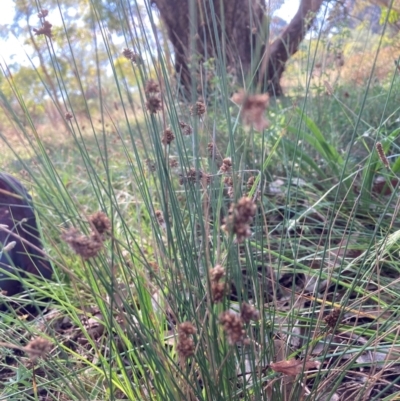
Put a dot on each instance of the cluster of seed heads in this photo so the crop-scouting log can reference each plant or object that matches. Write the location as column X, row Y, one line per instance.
column 218, row 287
column 240, row 216
column 186, row 346
column 88, row 246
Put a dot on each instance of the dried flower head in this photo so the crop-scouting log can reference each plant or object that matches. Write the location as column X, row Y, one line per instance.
column 194, row 176
column 211, row 148
column 249, row 312
column 168, row 137
column 68, row 116
column 250, row 182
column 218, row 289
column 132, row 56
column 153, row 104
column 233, row 326
column 173, row 163
column 186, row 346
column 151, row 87
column 240, row 216
column 186, row 128
column 100, row 222
column 191, row 176
column 332, row 319
column 228, row 181
column 44, row 30
column 217, row 273
column 253, row 109
column 152, row 91
column 381, row 154
column 85, row 246
column 226, row 165
column 160, row 218
column 43, row 13
column 206, row 179
column 38, row 348
column 127, row 53
column 198, row 109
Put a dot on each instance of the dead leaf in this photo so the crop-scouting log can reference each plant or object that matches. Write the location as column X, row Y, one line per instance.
column 293, row 367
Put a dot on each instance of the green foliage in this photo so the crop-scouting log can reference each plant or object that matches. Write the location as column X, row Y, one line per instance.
column 389, row 16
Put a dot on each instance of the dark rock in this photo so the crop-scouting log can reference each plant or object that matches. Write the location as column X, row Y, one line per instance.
column 17, row 213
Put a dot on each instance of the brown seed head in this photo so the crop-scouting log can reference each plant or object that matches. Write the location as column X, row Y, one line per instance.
column 210, row 148
column 228, row 181
column 160, row 217
column 130, row 55
column 186, row 346
column 249, row 312
column 192, row 176
column 226, row 165
column 187, row 329
column 127, row 53
column 382, row 156
column 250, row 182
column 168, row 137
column 38, row 348
column 43, row 13
column 173, row 163
column 218, row 291
column 233, row 326
column 206, row 179
column 153, row 104
column 44, row 30
column 240, row 216
column 68, row 116
column 332, row 319
column 198, row 109
column 152, row 91
column 186, row 128
column 85, row 246
column 100, row 222
column 151, row 87
column 217, row 273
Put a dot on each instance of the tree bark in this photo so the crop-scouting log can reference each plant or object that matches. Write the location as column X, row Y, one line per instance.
column 287, row 44
column 243, row 40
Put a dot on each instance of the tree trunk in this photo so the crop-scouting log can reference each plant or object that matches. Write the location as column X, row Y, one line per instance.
column 242, row 42
column 287, row 44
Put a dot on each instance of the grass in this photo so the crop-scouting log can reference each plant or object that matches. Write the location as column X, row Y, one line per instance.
column 174, row 306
